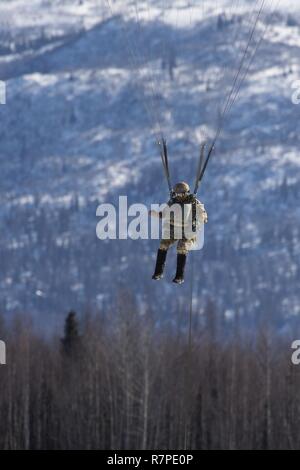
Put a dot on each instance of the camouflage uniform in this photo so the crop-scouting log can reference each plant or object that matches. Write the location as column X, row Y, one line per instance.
column 184, row 244
column 181, row 219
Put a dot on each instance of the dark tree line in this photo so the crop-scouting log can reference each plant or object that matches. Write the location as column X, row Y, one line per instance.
column 125, row 380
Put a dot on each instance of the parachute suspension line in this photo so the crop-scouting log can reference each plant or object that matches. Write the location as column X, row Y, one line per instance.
column 244, row 58
column 227, row 68
column 164, row 158
column 191, row 9
column 135, row 64
column 188, row 368
column 258, row 45
column 236, row 94
column 165, row 42
column 153, row 81
column 238, row 83
column 200, row 165
column 237, row 30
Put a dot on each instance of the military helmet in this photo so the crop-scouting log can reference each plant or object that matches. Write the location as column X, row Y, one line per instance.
column 181, row 188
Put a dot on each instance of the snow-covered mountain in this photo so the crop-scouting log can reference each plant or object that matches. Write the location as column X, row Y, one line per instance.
column 88, row 85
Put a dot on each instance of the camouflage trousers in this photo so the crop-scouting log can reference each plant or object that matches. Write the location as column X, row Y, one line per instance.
column 183, row 245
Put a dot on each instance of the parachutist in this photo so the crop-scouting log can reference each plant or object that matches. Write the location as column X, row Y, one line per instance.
column 179, row 226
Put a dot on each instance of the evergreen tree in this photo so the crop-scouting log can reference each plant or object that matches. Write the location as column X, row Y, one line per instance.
column 71, row 340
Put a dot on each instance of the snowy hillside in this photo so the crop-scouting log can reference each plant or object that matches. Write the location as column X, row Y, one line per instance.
column 88, row 85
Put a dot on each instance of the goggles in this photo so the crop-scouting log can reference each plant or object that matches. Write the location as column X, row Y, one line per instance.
column 180, row 195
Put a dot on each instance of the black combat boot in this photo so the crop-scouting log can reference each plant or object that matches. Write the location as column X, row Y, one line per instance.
column 179, row 278
column 160, row 264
